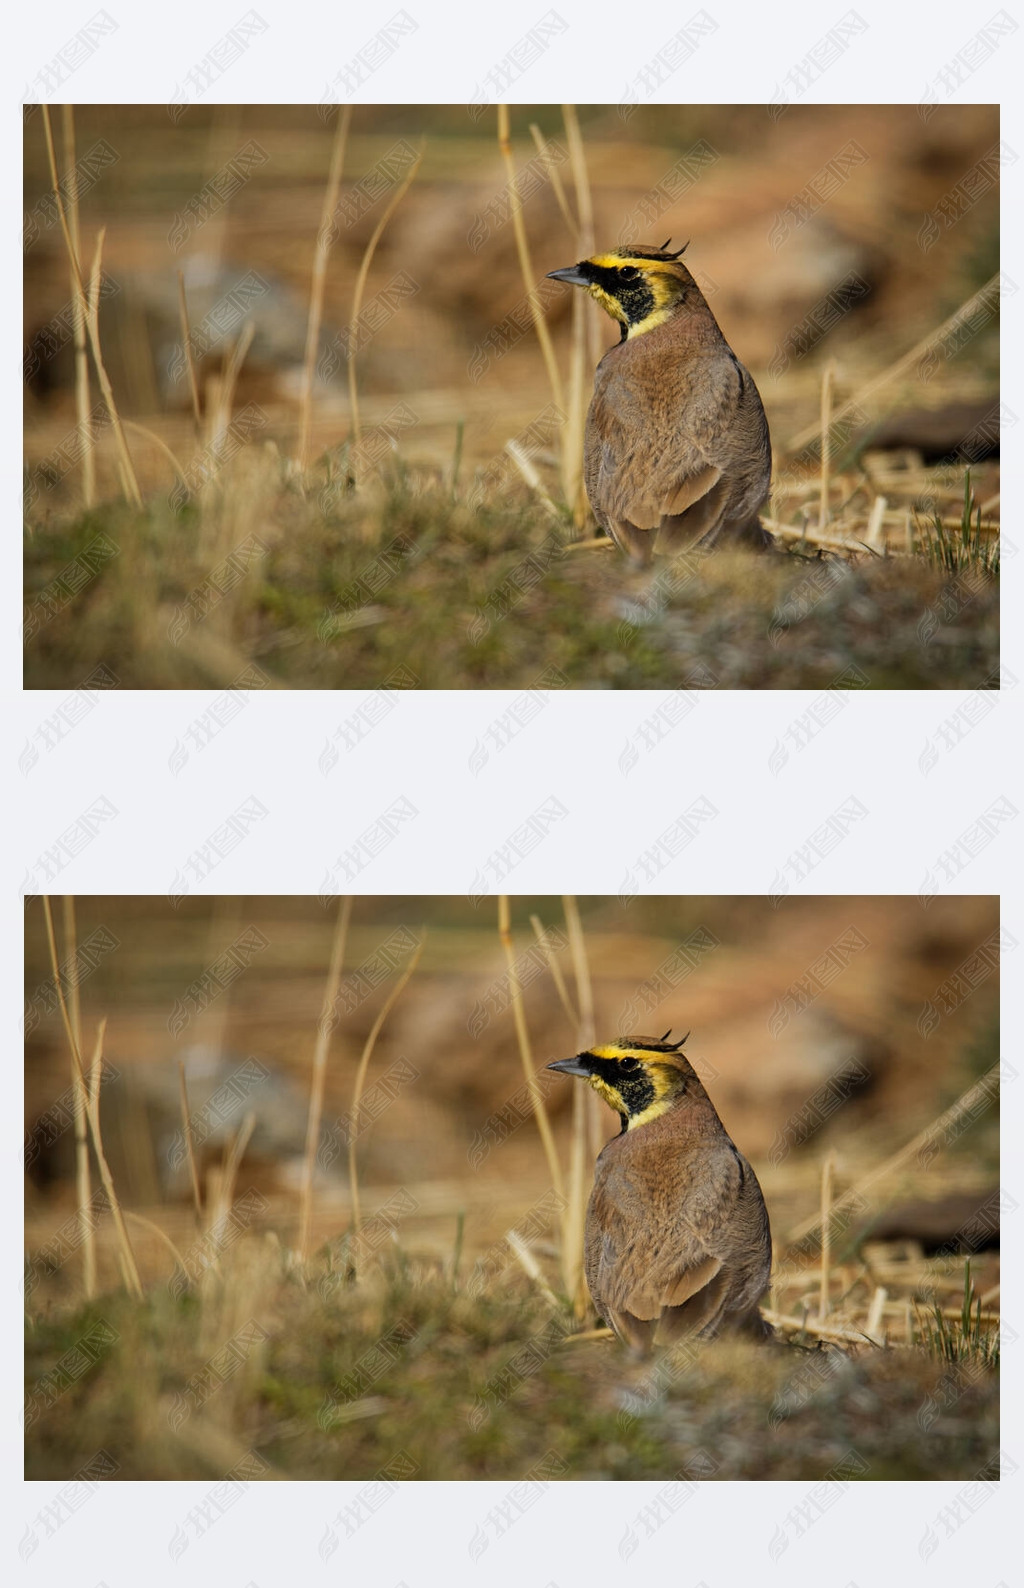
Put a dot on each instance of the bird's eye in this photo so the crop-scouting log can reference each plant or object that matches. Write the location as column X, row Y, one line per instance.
column 629, row 1065
column 629, row 272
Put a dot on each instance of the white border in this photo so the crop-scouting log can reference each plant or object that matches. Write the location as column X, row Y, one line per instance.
column 721, row 751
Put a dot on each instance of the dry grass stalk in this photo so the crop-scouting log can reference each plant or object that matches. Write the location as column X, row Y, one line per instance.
column 525, row 1052
column 232, row 1160
column 82, row 409
column 186, row 342
column 92, row 321
column 827, row 1171
column 948, row 327
column 221, row 419
column 316, row 1089
column 982, row 1092
column 827, row 1331
column 532, row 478
column 357, row 299
column 531, row 1267
column 190, row 1149
column 588, row 240
column 324, row 242
column 828, row 376
column 83, row 1174
column 584, row 1137
column 584, row 345
column 574, row 1217
column 161, row 1235
column 540, row 932
column 585, row 1002
column 557, row 185
column 813, row 537
column 128, row 1263
column 360, row 1081
column 875, row 1311
column 572, row 435
column 161, row 446
column 873, row 535
column 525, row 264
column 598, row 543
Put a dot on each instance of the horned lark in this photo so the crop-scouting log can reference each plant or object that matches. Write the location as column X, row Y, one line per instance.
column 677, row 451
column 677, row 1238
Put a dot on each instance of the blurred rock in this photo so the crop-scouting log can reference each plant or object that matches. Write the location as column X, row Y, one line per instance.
column 143, row 347
column 962, row 429
column 143, row 1136
column 962, row 1222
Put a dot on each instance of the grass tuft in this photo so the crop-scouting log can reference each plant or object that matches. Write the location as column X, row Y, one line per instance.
column 960, row 547
column 964, row 1339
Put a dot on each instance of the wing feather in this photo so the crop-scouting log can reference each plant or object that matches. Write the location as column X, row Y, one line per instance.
column 660, row 1263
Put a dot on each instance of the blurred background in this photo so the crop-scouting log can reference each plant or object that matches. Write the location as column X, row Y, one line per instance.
column 828, row 231
column 290, row 534
column 818, row 1024
column 443, row 1330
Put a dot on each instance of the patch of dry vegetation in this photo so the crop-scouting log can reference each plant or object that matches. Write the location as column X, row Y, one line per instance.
column 281, row 1372
column 261, row 583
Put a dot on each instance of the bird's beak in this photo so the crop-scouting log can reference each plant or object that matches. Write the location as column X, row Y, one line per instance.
column 572, row 274
column 569, row 1067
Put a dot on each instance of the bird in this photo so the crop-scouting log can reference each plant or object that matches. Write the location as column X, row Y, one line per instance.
column 677, row 451
column 677, row 1240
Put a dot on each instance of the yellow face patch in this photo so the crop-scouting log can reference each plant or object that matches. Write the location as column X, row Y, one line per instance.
column 660, row 279
column 661, row 1106
column 608, row 1092
column 609, row 304
column 640, row 1095
column 647, row 267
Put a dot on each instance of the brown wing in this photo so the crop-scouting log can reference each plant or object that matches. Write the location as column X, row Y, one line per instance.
column 633, row 1265
column 634, row 473
column 647, row 1252
column 654, row 458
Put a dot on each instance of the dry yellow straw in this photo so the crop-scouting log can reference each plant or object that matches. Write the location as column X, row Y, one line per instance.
column 186, row 342
column 83, row 1177
column 827, row 1170
column 584, row 1121
column 530, row 1266
column 525, row 1052
column 186, row 1120
column 316, row 1090
column 584, row 326
column 131, row 1271
column 364, row 1064
column 525, row 265
column 92, row 321
column 826, row 439
column 980, row 1093
column 540, row 932
column 357, row 296
column 962, row 316
column 324, row 241
column 81, row 348
column 557, row 185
